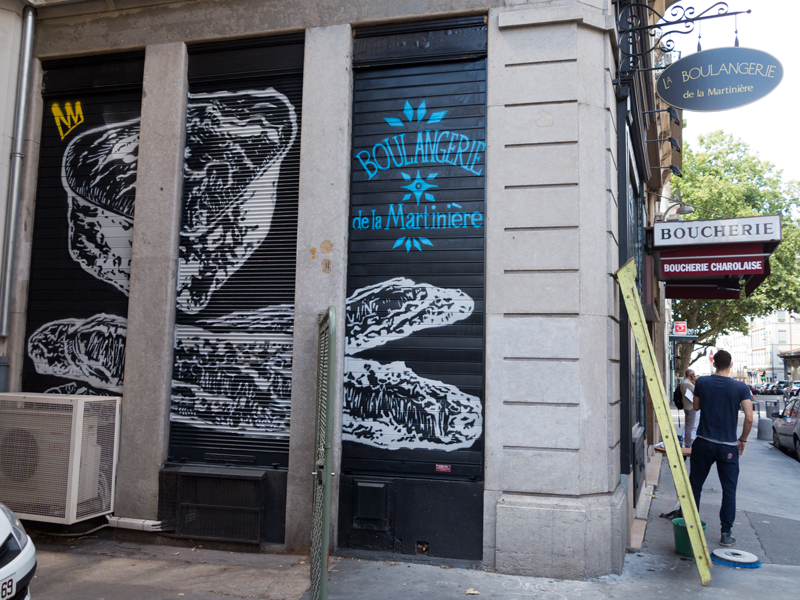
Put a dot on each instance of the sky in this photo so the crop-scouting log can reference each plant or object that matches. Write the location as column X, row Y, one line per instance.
column 770, row 126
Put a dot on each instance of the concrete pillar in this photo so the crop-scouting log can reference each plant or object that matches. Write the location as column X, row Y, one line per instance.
column 323, row 210
column 553, row 503
column 154, row 268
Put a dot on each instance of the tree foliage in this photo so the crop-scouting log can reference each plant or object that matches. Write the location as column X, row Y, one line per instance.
column 724, row 177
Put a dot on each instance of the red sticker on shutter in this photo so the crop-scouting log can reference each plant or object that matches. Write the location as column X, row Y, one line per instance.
column 442, row 468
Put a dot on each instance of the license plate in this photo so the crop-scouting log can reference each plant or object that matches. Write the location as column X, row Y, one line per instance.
column 8, row 587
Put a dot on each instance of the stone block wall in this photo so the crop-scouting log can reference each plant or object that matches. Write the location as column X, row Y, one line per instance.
column 554, row 505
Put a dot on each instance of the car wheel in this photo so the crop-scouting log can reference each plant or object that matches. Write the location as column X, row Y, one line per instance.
column 775, row 441
column 797, row 447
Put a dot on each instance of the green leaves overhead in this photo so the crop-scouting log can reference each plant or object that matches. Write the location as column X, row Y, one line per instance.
column 725, row 176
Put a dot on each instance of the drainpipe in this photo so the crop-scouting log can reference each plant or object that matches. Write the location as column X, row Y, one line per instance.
column 15, row 175
column 136, row 524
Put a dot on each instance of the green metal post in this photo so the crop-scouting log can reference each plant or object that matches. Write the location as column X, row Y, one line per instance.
column 323, row 455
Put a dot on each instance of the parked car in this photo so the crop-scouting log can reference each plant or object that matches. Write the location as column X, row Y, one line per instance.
column 17, row 557
column 786, row 427
column 782, row 385
column 791, row 390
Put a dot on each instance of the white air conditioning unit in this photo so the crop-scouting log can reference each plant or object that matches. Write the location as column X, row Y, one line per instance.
column 58, row 455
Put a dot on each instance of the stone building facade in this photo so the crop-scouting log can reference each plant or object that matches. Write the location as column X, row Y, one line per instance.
column 489, row 403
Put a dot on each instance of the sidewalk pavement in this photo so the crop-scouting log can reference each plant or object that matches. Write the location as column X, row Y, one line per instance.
column 767, row 524
column 767, row 520
column 94, row 568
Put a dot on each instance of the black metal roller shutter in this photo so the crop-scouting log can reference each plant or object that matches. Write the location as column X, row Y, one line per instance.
column 414, row 365
column 233, row 355
column 82, row 238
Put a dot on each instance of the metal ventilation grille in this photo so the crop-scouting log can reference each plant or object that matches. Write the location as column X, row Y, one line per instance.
column 231, row 509
column 97, row 458
column 231, row 393
column 53, row 467
column 35, row 440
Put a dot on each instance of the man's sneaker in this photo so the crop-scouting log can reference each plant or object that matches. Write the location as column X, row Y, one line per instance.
column 727, row 539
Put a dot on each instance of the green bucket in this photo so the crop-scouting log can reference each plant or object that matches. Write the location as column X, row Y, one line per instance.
column 683, row 545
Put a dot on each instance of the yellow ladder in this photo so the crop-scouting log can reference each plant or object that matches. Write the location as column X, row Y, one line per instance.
column 626, row 277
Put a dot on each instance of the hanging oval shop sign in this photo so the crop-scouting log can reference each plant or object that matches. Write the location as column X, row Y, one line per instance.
column 719, row 79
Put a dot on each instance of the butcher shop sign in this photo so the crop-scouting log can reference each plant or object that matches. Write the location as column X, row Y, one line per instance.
column 717, row 231
column 417, row 211
column 715, row 258
column 698, row 267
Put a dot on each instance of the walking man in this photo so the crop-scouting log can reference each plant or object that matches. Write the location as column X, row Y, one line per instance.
column 720, row 398
column 691, row 415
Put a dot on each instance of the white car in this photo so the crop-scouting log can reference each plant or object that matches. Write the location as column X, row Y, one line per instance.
column 17, row 557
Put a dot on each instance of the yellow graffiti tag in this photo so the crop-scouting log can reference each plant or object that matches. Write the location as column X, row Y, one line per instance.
column 69, row 122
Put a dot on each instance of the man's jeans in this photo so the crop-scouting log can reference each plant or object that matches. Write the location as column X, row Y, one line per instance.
column 705, row 454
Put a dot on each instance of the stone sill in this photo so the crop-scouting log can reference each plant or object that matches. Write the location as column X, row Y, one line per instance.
column 575, row 12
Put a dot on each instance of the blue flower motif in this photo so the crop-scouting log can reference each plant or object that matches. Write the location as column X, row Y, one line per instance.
column 420, row 113
column 412, row 241
column 419, row 186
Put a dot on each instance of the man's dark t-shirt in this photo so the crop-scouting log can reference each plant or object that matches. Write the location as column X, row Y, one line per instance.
column 720, row 398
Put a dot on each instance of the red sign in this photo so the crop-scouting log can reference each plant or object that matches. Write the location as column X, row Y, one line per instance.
column 442, row 468
column 679, row 328
column 705, row 267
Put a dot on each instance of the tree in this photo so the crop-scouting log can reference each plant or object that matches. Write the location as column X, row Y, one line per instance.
column 724, row 177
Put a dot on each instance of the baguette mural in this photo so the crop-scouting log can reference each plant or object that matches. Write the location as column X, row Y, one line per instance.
column 233, row 353
column 88, row 350
column 77, row 323
column 99, row 177
column 233, row 363
column 389, row 405
column 235, row 144
column 235, row 373
column 413, row 373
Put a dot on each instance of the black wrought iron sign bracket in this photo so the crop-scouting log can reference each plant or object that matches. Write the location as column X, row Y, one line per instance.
column 635, row 31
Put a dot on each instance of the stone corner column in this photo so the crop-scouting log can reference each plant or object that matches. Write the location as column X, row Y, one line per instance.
column 551, row 507
column 321, row 237
column 144, row 432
